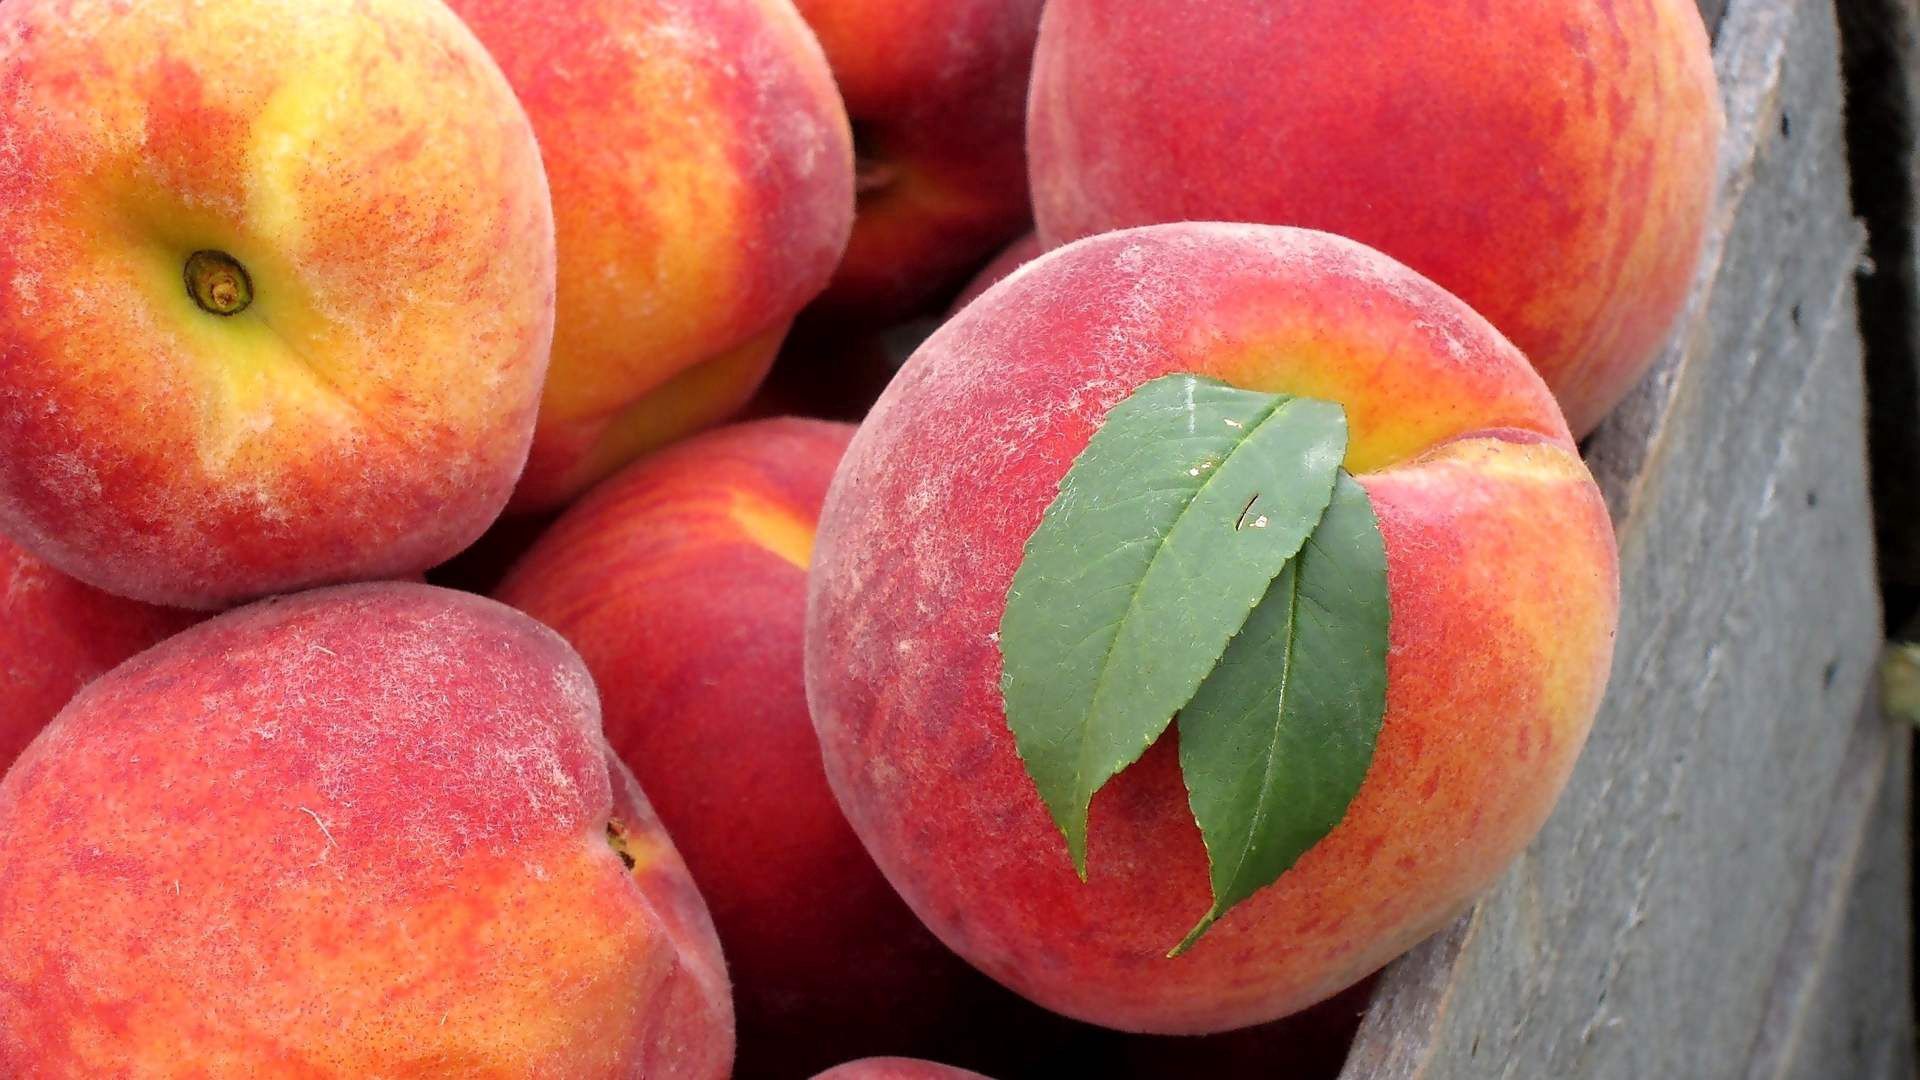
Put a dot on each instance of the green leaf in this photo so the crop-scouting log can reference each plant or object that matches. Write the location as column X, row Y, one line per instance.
column 1164, row 536
column 1276, row 742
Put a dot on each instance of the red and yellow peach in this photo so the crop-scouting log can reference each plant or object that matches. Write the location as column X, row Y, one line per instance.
column 365, row 831
column 276, row 292
column 1552, row 165
column 702, row 172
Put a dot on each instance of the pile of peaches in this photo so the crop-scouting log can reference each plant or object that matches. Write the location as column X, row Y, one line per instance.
column 426, row 649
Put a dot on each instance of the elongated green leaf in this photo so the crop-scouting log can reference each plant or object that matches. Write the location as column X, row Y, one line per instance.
column 1164, row 536
column 1276, row 742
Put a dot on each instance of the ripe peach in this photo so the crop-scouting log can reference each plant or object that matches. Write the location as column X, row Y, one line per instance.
column 938, row 94
column 702, row 174
column 1552, row 166
column 896, row 1069
column 57, row 635
column 276, row 291
column 682, row 582
column 1501, row 570
column 365, row 831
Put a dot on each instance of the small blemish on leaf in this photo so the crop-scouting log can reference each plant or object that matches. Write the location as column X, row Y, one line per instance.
column 1260, row 522
column 1242, row 520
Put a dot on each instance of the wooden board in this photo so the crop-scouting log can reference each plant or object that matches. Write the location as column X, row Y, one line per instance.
column 1849, row 954
column 1661, row 923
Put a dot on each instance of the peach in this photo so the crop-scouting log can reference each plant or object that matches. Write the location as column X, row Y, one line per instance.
column 1552, row 166
column 276, row 292
column 365, row 831
column 682, row 582
column 938, row 91
column 1502, row 575
column 57, row 635
column 702, row 172
column 896, row 1069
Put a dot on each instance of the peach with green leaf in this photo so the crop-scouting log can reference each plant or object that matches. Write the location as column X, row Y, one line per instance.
column 1243, row 604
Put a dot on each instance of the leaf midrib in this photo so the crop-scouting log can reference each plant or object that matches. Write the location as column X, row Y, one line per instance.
column 1263, row 803
column 1081, row 794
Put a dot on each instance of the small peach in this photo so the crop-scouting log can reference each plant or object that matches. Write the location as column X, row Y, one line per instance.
column 365, row 831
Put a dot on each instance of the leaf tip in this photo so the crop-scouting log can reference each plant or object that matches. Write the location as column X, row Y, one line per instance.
column 1073, row 830
column 1077, row 851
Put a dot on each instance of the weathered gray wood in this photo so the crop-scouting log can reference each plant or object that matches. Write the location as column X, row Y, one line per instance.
column 1713, row 11
column 1636, row 937
column 1832, row 1014
column 1854, row 1027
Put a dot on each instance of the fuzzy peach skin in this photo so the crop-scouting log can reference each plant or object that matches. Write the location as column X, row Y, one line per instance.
column 365, row 831
column 938, row 92
column 682, row 581
column 57, row 635
column 1501, row 571
column 702, row 172
column 367, row 413
column 896, row 1069
column 1552, row 165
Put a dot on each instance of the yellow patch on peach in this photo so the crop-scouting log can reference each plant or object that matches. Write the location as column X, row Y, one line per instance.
column 1549, row 510
column 1398, row 401
column 775, row 527
column 680, row 405
column 603, row 355
column 702, row 174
